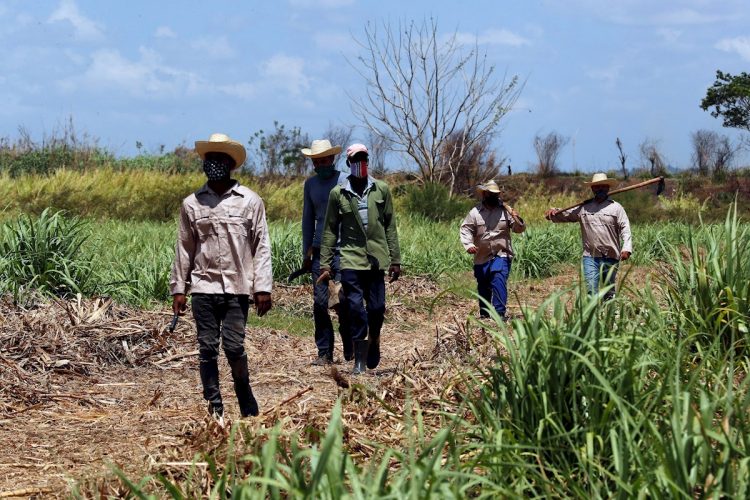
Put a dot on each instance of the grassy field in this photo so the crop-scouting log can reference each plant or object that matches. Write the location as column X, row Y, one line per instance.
column 646, row 396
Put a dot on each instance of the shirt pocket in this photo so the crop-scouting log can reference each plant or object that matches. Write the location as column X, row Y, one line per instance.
column 203, row 224
column 237, row 221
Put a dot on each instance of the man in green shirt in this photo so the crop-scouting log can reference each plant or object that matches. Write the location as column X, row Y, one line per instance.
column 360, row 215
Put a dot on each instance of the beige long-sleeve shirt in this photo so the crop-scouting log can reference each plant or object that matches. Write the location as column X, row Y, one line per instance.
column 489, row 230
column 603, row 226
column 222, row 244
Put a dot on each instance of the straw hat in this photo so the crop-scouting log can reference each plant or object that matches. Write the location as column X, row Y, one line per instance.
column 320, row 149
column 601, row 178
column 221, row 143
column 489, row 186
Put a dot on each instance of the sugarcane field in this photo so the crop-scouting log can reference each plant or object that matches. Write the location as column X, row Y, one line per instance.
column 329, row 249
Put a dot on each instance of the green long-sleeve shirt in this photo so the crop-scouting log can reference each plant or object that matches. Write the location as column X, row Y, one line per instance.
column 375, row 246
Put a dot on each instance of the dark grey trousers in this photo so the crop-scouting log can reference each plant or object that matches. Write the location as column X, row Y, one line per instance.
column 220, row 320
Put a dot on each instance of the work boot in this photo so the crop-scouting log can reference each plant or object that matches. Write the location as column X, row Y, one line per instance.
column 323, row 359
column 373, row 351
column 348, row 349
column 360, row 357
column 209, row 370
column 241, row 377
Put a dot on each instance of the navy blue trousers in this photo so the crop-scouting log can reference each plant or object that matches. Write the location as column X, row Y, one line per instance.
column 492, row 284
column 324, row 337
column 364, row 292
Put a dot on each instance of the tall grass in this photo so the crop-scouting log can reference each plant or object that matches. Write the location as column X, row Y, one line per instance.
column 709, row 291
column 45, row 255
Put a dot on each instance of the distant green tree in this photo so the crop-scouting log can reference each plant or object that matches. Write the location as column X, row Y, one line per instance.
column 729, row 97
column 278, row 152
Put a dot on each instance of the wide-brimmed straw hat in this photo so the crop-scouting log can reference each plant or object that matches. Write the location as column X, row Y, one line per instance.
column 489, row 186
column 600, row 179
column 221, row 143
column 320, row 149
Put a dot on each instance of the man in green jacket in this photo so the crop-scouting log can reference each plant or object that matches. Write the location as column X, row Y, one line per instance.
column 360, row 215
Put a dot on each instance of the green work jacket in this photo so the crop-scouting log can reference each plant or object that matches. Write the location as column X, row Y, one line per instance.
column 375, row 248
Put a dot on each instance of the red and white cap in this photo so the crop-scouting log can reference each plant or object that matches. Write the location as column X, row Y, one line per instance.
column 354, row 149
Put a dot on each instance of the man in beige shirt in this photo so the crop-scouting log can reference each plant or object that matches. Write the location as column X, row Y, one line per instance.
column 485, row 233
column 222, row 258
column 604, row 224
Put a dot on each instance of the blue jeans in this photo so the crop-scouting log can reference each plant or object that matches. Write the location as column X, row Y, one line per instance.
column 364, row 293
column 324, row 338
column 600, row 271
column 492, row 284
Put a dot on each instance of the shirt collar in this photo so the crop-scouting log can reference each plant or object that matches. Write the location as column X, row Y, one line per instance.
column 348, row 186
column 234, row 190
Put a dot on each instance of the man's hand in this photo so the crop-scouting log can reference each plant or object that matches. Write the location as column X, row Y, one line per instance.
column 472, row 249
column 179, row 303
column 549, row 213
column 394, row 272
column 325, row 275
column 624, row 255
column 263, row 302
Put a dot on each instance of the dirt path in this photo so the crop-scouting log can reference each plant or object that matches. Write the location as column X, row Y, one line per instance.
column 146, row 417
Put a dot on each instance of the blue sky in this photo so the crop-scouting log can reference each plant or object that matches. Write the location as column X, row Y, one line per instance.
column 172, row 72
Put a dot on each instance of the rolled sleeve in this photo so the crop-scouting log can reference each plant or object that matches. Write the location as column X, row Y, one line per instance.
column 572, row 215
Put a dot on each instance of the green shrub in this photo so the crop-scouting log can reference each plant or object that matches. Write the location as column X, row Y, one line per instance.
column 44, row 254
column 433, row 201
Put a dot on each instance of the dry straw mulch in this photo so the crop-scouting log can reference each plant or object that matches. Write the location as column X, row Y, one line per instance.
column 86, row 384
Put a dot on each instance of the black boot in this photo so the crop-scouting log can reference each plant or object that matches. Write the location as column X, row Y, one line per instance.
column 348, row 347
column 209, row 370
column 241, row 377
column 360, row 357
column 373, row 351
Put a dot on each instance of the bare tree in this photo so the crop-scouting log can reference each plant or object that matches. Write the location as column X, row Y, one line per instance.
column 705, row 145
column 377, row 145
column 477, row 164
column 651, row 157
column 712, row 152
column 548, row 150
column 622, row 157
column 421, row 89
column 339, row 136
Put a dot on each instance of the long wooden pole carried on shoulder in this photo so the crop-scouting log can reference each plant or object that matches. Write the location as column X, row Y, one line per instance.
column 660, row 180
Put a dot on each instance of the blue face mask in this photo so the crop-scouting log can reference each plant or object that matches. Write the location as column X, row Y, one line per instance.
column 601, row 194
column 325, row 171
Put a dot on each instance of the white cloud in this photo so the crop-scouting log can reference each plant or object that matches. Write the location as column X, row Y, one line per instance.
column 287, row 72
column 669, row 35
column 740, row 45
column 322, row 4
column 609, row 75
column 341, row 42
column 217, row 47
column 83, row 27
column 148, row 77
column 164, row 32
column 493, row 37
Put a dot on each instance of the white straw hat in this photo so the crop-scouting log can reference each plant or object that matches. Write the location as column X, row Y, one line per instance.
column 601, row 178
column 221, row 143
column 320, row 149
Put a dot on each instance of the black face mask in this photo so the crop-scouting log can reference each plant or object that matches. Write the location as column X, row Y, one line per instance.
column 216, row 170
column 492, row 200
column 601, row 194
